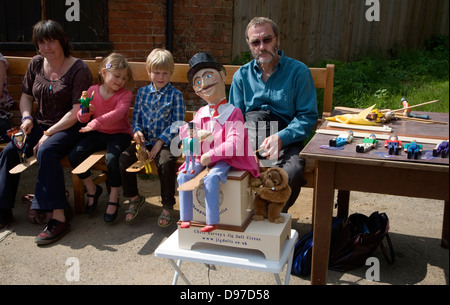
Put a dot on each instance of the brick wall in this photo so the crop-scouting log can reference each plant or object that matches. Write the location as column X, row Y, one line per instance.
column 138, row 26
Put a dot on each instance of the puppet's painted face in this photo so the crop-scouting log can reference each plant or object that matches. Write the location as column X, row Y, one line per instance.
column 209, row 84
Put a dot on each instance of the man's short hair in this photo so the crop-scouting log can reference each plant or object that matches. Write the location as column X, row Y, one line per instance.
column 259, row 21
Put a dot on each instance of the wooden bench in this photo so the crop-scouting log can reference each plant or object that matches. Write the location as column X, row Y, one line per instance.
column 323, row 79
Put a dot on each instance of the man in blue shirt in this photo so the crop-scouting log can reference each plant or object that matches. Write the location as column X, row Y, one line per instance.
column 278, row 98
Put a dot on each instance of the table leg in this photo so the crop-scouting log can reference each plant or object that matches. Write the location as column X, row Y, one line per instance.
column 277, row 278
column 178, row 272
column 343, row 200
column 289, row 267
column 324, row 196
column 445, row 225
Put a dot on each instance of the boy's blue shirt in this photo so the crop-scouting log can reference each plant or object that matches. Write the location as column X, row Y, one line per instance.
column 158, row 114
column 289, row 93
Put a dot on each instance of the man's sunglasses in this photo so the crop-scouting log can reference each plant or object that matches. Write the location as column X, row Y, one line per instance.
column 257, row 43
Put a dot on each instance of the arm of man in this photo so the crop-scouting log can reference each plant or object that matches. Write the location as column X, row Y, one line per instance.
column 305, row 110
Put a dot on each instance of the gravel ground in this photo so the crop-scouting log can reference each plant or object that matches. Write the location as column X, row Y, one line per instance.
column 123, row 253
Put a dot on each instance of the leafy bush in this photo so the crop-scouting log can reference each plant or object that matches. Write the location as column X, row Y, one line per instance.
column 419, row 75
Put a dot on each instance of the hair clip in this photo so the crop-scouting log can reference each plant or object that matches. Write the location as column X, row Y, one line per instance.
column 108, row 65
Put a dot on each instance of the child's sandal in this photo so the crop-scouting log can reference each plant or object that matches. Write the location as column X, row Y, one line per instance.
column 167, row 218
column 134, row 211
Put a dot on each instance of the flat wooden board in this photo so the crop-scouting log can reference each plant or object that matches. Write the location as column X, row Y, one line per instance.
column 194, row 182
column 23, row 166
column 89, row 162
column 136, row 167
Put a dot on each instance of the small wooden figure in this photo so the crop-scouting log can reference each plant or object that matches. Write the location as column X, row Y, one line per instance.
column 441, row 148
column 367, row 144
column 413, row 149
column 393, row 144
column 191, row 149
column 19, row 139
column 342, row 139
column 143, row 157
column 85, row 101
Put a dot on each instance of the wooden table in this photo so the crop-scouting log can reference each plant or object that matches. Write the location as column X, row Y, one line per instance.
column 375, row 172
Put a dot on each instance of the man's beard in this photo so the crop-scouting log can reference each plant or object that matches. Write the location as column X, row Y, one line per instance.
column 262, row 61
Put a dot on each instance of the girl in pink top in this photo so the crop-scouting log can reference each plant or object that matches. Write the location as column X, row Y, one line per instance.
column 108, row 127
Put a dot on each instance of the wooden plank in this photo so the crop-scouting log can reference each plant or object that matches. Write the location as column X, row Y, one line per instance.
column 137, row 167
column 406, row 138
column 360, row 127
column 89, row 162
column 194, row 182
column 23, row 166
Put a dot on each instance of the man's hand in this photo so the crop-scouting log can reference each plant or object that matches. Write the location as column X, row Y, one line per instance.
column 271, row 146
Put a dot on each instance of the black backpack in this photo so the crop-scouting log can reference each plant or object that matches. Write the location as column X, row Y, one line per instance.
column 352, row 242
column 301, row 263
column 358, row 238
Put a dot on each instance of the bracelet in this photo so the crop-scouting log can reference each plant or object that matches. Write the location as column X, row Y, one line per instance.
column 48, row 134
column 27, row 117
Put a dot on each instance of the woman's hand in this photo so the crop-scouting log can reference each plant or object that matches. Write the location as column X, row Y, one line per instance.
column 27, row 126
column 41, row 141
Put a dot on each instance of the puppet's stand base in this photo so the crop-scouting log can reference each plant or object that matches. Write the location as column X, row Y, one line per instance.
column 261, row 235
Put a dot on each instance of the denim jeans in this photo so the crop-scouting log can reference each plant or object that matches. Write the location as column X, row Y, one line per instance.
column 50, row 190
column 95, row 141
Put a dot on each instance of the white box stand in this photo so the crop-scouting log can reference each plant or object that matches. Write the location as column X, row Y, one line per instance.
column 261, row 235
column 236, row 202
column 226, row 256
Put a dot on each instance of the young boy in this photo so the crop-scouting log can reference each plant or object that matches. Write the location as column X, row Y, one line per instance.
column 158, row 112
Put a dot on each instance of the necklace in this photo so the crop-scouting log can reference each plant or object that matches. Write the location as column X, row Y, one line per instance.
column 57, row 74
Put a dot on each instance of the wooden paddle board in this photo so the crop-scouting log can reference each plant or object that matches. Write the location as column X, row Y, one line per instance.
column 89, row 162
column 136, row 167
column 194, row 182
column 23, row 166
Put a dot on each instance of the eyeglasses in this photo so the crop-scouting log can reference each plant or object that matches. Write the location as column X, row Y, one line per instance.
column 266, row 40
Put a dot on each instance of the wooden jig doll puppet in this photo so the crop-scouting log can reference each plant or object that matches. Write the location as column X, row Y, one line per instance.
column 19, row 140
column 223, row 137
column 85, row 101
column 190, row 149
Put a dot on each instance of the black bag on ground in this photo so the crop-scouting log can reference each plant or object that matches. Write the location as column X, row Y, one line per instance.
column 358, row 238
column 301, row 263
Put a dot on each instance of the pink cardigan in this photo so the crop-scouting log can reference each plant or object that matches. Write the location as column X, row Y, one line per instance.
column 230, row 144
column 110, row 116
